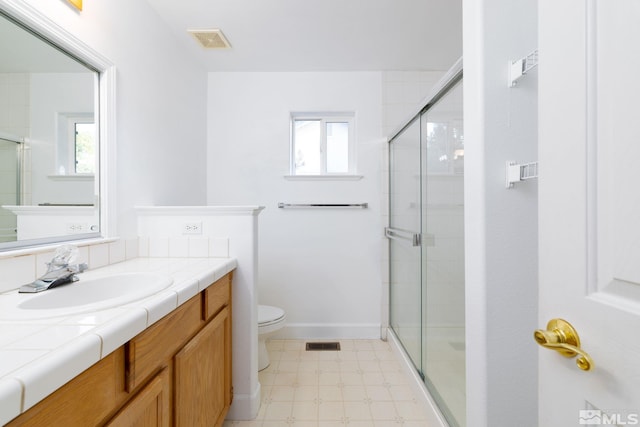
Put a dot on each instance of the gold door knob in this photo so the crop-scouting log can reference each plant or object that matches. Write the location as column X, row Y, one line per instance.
column 562, row 337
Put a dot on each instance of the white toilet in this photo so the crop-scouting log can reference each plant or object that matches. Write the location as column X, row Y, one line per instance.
column 270, row 320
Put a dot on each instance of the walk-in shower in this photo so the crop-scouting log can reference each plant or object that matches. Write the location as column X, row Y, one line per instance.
column 11, row 150
column 426, row 245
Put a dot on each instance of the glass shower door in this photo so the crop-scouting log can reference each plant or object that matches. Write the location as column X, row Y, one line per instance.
column 426, row 247
column 10, row 156
column 443, row 255
column 405, row 272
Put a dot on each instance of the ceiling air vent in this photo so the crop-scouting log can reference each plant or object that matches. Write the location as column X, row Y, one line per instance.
column 210, row 39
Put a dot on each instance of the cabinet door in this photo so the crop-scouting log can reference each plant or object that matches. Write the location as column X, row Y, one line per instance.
column 151, row 407
column 203, row 375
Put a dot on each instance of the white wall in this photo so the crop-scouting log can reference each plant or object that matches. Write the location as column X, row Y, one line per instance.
column 52, row 94
column 14, row 103
column 403, row 93
column 161, row 102
column 500, row 224
column 321, row 266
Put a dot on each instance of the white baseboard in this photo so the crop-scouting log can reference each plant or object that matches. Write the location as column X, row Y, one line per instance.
column 245, row 406
column 329, row 331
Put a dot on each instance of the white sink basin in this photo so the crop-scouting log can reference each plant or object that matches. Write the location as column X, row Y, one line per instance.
column 87, row 294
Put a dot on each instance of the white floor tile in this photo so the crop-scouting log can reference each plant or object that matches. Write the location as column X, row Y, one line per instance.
column 361, row 385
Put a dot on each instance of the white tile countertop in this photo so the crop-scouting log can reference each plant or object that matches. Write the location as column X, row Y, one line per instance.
column 37, row 356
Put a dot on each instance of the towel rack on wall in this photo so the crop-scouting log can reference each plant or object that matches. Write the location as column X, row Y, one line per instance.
column 323, row 205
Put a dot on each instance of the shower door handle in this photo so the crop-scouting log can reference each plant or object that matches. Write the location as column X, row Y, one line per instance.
column 405, row 235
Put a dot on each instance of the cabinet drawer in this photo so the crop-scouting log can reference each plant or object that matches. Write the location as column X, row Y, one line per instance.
column 84, row 401
column 153, row 348
column 217, row 296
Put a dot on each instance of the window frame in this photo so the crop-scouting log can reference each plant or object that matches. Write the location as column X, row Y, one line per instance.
column 66, row 144
column 72, row 135
column 324, row 118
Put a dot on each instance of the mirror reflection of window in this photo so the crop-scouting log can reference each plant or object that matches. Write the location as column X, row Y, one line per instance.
column 84, row 148
column 76, row 145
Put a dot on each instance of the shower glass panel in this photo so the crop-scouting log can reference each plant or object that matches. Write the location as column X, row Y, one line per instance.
column 443, row 254
column 426, row 246
column 10, row 161
column 405, row 257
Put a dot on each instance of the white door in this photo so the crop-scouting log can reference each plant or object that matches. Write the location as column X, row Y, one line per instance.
column 589, row 217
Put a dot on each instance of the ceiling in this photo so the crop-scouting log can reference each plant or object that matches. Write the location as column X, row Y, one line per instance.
column 321, row 35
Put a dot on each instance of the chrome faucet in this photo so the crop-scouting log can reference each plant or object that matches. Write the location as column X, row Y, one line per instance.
column 60, row 271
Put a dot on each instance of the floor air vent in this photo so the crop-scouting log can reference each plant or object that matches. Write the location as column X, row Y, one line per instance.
column 323, row 346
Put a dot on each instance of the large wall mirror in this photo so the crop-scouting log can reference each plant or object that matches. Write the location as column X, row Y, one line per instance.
column 51, row 133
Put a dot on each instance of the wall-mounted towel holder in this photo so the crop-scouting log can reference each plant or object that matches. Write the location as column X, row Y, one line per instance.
column 323, row 205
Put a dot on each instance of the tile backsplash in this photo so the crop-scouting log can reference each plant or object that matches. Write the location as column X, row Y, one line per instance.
column 184, row 247
column 17, row 271
column 24, row 268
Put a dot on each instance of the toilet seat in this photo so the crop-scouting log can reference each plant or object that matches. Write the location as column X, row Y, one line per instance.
column 270, row 320
column 269, row 315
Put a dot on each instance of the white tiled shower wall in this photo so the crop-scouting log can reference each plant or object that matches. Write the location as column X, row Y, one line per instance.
column 403, row 93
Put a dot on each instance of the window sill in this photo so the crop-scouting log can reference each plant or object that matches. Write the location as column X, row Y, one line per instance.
column 323, row 177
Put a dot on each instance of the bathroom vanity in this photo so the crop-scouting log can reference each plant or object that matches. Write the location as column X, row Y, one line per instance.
column 176, row 371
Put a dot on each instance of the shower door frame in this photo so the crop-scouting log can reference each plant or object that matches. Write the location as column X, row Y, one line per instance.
column 19, row 145
column 449, row 81
column 406, row 237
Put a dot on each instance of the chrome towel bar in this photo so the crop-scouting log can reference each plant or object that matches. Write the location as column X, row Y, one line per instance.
column 323, row 205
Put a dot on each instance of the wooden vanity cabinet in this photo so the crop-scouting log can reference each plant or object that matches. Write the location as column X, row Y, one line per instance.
column 201, row 384
column 150, row 407
column 88, row 399
column 176, row 372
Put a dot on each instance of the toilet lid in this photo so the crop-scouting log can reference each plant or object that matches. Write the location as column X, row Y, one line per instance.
column 268, row 314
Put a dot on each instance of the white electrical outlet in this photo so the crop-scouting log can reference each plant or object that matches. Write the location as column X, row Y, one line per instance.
column 77, row 227
column 192, row 228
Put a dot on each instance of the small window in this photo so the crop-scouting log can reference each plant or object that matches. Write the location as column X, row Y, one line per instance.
column 84, row 148
column 322, row 144
column 76, row 153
